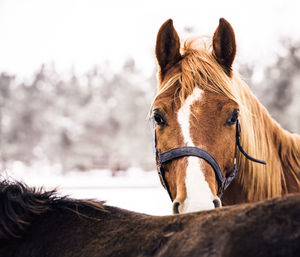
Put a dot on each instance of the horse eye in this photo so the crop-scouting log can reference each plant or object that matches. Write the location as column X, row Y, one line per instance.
column 159, row 120
column 233, row 118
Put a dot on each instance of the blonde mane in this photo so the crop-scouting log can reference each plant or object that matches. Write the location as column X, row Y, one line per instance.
column 199, row 68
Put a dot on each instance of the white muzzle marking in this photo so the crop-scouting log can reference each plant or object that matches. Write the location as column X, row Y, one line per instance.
column 199, row 196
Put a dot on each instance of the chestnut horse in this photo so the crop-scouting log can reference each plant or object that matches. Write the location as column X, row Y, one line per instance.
column 209, row 124
column 36, row 223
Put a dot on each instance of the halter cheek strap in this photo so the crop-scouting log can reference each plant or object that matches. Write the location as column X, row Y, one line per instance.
column 223, row 182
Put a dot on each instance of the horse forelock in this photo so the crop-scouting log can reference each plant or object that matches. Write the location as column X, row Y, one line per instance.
column 20, row 204
column 199, row 68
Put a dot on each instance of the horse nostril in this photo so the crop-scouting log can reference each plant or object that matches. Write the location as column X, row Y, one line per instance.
column 176, row 207
column 217, row 203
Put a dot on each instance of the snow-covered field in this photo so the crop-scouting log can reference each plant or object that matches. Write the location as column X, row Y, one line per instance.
column 134, row 190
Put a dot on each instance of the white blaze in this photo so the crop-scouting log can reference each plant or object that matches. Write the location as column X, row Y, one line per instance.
column 199, row 196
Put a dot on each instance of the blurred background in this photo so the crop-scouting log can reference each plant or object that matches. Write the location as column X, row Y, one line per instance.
column 77, row 78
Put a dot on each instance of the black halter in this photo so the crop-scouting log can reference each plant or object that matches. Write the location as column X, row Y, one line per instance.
column 223, row 182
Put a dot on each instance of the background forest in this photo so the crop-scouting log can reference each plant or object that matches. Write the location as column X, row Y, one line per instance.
column 100, row 119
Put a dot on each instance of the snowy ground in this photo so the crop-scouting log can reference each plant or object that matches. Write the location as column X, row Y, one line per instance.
column 134, row 190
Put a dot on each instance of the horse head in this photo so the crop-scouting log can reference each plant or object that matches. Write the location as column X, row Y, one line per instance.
column 196, row 112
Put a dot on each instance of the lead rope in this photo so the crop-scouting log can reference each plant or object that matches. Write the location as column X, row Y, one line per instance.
column 238, row 134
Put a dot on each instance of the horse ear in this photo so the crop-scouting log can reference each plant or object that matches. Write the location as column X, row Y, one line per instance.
column 167, row 47
column 224, row 46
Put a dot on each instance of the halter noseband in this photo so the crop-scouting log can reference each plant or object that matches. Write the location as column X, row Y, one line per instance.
column 223, row 182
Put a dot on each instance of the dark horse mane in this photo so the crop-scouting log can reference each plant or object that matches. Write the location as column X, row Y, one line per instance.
column 20, row 205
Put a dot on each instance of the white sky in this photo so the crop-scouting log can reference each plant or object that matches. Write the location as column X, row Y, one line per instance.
column 82, row 33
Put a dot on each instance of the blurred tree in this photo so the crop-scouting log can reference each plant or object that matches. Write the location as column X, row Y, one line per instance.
column 281, row 87
column 5, row 94
column 94, row 121
column 100, row 119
